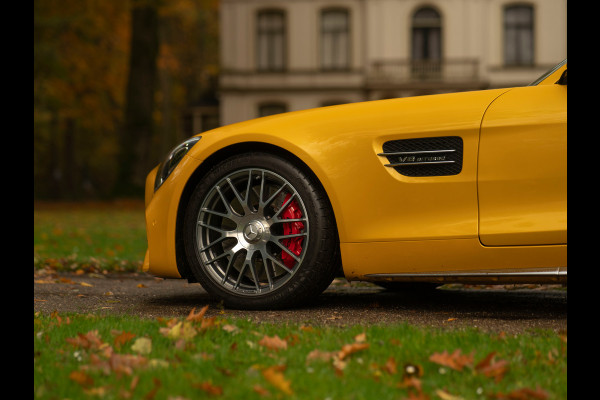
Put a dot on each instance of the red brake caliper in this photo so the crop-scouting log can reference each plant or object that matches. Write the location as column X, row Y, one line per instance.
column 290, row 228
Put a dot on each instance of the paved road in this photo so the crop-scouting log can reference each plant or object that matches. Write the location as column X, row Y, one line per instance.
column 494, row 310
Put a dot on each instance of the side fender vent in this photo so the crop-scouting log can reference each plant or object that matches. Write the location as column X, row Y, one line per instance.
column 433, row 156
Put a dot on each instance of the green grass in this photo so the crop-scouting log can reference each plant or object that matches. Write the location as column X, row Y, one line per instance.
column 228, row 360
column 109, row 236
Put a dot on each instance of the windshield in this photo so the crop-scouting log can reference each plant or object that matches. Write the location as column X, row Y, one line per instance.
column 548, row 73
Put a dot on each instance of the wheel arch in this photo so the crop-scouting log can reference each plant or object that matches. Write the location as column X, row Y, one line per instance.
column 214, row 159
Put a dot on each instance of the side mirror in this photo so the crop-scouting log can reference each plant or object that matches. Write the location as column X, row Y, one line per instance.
column 563, row 79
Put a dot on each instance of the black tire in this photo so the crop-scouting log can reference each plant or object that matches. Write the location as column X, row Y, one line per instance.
column 233, row 235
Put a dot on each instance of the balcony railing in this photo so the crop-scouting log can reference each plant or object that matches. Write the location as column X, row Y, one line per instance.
column 424, row 71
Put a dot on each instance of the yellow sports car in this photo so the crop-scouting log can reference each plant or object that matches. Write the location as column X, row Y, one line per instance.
column 460, row 187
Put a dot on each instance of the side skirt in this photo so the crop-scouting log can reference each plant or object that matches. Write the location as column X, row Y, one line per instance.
column 532, row 275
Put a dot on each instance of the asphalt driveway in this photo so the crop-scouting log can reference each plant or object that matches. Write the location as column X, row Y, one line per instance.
column 509, row 309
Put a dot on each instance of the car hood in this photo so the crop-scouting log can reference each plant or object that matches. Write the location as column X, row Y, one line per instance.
column 440, row 108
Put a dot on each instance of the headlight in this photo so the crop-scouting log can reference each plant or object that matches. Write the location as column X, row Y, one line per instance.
column 171, row 161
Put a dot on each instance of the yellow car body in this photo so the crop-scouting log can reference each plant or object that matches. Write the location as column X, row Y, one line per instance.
column 502, row 216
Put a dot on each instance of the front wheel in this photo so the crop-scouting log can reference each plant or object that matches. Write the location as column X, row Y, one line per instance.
column 259, row 233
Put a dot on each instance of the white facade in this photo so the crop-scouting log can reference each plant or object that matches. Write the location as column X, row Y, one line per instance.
column 286, row 55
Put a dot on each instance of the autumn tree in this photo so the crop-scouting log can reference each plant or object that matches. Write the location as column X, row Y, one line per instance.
column 138, row 126
column 104, row 116
column 80, row 50
column 180, row 65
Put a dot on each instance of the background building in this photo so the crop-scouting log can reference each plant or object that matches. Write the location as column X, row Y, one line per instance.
column 286, row 55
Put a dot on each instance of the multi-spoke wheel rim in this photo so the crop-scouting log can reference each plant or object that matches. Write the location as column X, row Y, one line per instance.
column 252, row 232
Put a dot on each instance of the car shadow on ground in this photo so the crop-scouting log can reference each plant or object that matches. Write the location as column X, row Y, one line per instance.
column 488, row 307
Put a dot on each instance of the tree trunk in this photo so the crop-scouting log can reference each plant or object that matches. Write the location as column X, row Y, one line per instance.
column 138, row 127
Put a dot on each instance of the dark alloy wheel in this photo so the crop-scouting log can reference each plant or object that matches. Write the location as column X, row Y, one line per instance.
column 259, row 233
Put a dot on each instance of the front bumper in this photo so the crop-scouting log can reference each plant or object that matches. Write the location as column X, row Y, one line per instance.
column 161, row 219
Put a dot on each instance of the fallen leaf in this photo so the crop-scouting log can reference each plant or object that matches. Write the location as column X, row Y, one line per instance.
column 207, row 323
column 181, row 344
column 390, row 366
column 292, row 339
column 152, row 393
column 456, row 360
column 167, row 322
column 305, row 328
column 122, row 338
column 81, row 378
column 273, row 343
column 318, row 355
column 141, row 285
column 90, row 340
column 197, row 317
column 260, row 390
column 485, row 362
column 410, row 379
column 97, row 391
column 158, row 363
column 339, row 365
column 523, row 394
column 209, row 388
column 142, row 345
column 361, row 338
column 276, row 378
column 225, row 371
column 204, row 356
column 134, row 382
column 230, row 328
column 495, row 370
column 181, row 330
column 86, row 284
column 410, row 382
column 551, row 356
column 352, row 348
column 118, row 363
column 446, row 396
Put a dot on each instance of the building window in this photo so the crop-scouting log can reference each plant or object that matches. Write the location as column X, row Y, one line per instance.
column 426, row 44
column 271, row 40
column 335, row 39
column 266, row 109
column 518, row 35
column 426, row 35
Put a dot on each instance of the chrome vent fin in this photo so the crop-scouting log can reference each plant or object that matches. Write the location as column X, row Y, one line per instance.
column 432, row 156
